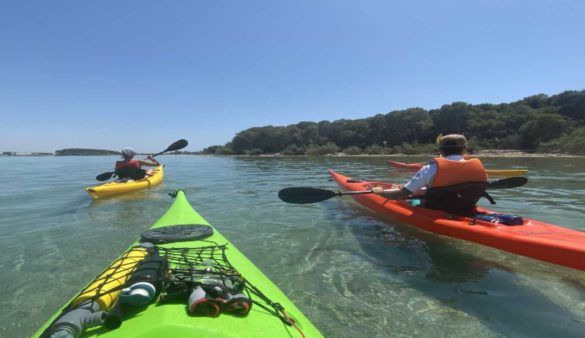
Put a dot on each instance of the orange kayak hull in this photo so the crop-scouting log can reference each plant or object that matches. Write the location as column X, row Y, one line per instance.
column 534, row 239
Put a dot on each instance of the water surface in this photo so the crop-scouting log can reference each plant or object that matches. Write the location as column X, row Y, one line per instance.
column 352, row 272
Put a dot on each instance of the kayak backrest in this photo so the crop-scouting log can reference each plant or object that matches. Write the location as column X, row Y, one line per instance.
column 132, row 173
column 459, row 199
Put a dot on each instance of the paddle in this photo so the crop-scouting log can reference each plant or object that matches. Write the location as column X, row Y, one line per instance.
column 180, row 144
column 105, row 176
column 506, row 183
column 307, row 195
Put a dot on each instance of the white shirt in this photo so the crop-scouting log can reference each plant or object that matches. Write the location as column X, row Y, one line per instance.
column 425, row 175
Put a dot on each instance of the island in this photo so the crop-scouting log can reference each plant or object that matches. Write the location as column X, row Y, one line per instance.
column 85, row 152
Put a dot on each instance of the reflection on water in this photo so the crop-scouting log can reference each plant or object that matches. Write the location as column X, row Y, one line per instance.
column 352, row 272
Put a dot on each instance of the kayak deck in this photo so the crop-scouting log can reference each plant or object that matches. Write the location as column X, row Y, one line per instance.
column 117, row 188
column 491, row 172
column 535, row 239
column 173, row 320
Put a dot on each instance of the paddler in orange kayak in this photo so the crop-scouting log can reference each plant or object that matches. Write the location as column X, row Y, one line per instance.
column 450, row 183
column 129, row 168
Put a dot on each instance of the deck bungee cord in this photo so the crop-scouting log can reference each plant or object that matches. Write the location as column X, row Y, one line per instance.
column 191, row 282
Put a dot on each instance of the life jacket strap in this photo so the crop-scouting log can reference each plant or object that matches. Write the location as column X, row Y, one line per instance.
column 489, row 198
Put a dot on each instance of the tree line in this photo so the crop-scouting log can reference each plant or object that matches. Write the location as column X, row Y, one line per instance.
column 536, row 123
column 84, row 152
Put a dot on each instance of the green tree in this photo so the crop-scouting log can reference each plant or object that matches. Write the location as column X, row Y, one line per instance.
column 549, row 126
column 411, row 125
column 451, row 118
column 529, row 136
column 522, row 124
column 571, row 104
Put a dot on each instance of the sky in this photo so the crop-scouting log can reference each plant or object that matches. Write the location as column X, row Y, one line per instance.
column 110, row 74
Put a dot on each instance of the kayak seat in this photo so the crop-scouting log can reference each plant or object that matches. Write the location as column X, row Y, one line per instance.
column 459, row 199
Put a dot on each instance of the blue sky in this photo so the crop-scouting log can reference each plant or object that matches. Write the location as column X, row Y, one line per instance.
column 109, row 74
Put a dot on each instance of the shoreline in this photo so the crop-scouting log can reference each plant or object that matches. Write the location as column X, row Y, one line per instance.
column 517, row 153
column 482, row 153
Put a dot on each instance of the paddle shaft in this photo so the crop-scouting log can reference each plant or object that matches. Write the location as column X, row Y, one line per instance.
column 360, row 192
column 499, row 184
column 306, row 195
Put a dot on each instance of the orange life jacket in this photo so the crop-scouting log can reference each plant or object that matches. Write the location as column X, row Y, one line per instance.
column 456, row 172
column 457, row 186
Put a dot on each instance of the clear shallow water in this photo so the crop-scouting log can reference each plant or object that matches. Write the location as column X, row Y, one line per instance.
column 353, row 273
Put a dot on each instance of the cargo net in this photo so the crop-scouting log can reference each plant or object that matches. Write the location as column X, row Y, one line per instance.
column 205, row 277
column 202, row 277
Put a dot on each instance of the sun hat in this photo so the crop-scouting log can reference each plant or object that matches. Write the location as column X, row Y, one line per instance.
column 453, row 141
column 128, row 152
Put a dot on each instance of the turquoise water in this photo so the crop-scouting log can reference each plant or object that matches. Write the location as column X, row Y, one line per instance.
column 353, row 273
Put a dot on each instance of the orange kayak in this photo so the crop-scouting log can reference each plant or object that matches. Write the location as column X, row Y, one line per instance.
column 491, row 172
column 535, row 239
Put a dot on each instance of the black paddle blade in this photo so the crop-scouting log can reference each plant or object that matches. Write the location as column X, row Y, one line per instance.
column 305, row 195
column 506, row 183
column 180, row 144
column 104, row 176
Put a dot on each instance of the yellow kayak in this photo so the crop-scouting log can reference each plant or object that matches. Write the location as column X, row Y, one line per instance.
column 506, row 172
column 117, row 188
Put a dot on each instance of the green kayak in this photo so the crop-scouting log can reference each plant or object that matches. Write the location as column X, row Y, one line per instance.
column 190, row 283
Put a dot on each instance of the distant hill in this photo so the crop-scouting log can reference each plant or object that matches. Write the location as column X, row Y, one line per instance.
column 14, row 153
column 84, row 152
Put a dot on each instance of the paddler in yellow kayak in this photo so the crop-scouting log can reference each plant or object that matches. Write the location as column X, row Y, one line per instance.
column 450, row 183
column 129, row 168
